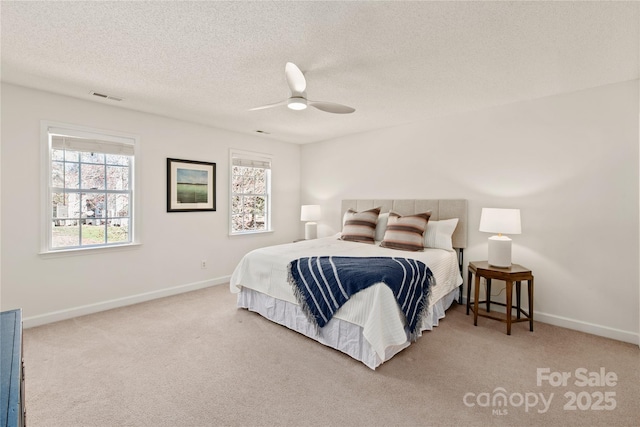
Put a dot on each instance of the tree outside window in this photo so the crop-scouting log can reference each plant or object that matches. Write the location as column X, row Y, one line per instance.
column 250, row 194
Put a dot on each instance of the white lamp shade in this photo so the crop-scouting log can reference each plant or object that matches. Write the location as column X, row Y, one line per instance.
column 501, row 221
column 310, row 213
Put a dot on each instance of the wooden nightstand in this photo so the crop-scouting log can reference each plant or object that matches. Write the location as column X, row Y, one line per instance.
column 516, row 273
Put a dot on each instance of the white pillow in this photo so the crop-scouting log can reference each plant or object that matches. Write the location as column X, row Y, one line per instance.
column 438, row 234
column 381, row 226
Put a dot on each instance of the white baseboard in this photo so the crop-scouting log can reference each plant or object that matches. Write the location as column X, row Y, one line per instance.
column 43, row 319
column 590, row 328
column 578, row 325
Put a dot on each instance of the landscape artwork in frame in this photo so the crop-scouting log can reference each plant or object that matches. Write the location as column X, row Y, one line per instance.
column 191, row 186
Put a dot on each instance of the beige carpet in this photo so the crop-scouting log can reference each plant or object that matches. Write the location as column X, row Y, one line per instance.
column 196, row 360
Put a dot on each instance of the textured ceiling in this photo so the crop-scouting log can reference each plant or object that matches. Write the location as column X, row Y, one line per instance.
column 394, row 62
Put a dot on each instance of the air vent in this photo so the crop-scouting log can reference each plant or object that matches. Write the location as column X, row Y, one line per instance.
column 102, row 95
column 264, row 132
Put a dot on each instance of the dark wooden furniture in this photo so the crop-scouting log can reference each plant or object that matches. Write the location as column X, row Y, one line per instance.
column 12, row 412
column 510, row 275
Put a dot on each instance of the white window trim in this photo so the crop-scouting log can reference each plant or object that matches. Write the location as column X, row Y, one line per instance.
column 262, row 157
column 45, row 196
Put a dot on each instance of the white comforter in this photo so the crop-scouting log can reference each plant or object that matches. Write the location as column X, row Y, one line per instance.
column 374, row 309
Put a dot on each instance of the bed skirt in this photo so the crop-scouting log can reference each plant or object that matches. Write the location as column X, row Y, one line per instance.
column 339, row 334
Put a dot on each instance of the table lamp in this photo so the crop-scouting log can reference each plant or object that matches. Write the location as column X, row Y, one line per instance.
column 310, row 213
column 507, row 221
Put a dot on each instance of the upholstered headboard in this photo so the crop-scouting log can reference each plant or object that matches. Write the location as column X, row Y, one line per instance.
column 440, row 209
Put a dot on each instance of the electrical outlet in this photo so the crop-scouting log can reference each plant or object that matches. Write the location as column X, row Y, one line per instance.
column 203, row 263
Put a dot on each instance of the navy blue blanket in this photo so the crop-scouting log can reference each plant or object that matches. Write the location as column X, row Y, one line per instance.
column 323, row 284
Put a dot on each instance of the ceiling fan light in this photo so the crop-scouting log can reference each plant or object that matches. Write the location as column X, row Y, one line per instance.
column 297, row 103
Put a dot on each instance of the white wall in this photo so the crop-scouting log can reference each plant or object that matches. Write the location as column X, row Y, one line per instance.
column 569, row 162
column 173, row 244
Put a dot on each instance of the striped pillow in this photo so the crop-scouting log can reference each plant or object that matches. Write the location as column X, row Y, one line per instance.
column 360, row 226
column 406, row 232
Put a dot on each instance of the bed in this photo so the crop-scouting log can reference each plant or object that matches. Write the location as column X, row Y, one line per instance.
column 370, row 327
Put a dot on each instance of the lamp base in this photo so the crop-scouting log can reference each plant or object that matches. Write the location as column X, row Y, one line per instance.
column 311, row 230
column 500, row 251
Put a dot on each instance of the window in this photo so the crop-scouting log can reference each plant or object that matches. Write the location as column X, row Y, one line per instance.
column 250, row 193
column 90, row 189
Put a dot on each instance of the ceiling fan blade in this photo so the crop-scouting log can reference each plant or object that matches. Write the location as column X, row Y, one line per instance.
column 295, row 78
column 331, row 107
column 276, row 104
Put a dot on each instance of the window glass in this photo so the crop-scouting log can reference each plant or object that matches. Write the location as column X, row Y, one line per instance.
column 90, row 191
column 250, row 209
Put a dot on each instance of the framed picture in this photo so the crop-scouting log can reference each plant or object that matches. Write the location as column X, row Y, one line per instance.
column 191, row 186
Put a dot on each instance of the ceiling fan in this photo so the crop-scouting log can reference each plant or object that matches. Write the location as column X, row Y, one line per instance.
column 298, row 99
